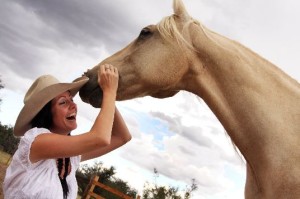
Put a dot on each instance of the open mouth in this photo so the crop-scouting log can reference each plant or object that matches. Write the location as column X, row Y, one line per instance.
column 71, row 117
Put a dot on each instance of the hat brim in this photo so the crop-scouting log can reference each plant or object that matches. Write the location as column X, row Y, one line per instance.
column 32, row 107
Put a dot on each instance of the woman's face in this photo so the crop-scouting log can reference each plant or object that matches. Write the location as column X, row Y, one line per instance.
column 64, row 112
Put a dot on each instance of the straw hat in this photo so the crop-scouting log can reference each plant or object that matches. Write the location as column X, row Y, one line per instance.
column 43, row 90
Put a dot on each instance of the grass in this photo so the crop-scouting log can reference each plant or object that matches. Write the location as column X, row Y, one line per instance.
column 4, row 161
column 4, row 157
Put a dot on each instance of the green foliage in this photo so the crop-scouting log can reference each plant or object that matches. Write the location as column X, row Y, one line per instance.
column 106, row 176
column 190, row 189
column 154, row 191
column 8, row 142
column 151, row 191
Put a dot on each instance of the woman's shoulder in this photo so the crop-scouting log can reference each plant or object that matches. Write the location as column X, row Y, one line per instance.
column 36, row 130
column 23, row 150
column 32, row 133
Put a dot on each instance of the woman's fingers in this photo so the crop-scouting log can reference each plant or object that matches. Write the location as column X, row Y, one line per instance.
column 108, row 76
column 108, row 68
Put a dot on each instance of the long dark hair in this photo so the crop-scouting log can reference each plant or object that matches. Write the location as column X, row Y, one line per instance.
column 44, row 120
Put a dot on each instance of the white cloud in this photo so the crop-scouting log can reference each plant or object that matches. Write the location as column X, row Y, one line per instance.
column 188, row 152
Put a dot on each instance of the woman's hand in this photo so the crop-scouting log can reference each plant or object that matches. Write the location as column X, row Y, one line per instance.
column 108, row 78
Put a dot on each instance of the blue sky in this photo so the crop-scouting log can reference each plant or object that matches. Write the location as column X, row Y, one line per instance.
column 179, row 136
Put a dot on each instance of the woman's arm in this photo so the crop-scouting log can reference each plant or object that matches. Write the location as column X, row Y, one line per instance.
column 51, row 145
column 120, row 135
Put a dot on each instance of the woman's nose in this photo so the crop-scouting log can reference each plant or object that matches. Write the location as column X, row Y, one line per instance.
column 73, row 105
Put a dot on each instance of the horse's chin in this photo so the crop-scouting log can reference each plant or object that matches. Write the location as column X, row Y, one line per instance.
column 164, row 94
column 96, row 98
column 93, row 97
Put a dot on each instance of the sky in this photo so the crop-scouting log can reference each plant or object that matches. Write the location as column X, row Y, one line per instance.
column 178, row 136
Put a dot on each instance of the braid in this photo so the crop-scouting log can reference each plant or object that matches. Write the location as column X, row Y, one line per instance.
column 62, row 166
column 63, row 171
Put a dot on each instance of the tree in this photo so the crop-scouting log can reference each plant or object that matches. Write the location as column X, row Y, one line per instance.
column 190, row 189
column 154, row 191
column 8, row 141
column 106, row 175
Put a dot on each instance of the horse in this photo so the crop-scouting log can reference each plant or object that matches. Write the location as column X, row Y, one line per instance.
column 256, row 102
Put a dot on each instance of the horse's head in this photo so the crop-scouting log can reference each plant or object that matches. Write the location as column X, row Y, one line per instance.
column 154, row 64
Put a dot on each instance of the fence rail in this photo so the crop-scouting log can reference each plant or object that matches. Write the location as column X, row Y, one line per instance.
column 95, row 182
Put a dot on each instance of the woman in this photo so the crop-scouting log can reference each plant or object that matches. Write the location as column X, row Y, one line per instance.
column 45, row 163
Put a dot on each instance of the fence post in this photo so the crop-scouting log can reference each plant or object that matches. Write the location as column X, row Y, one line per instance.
column 89, row 191
column 92, row 186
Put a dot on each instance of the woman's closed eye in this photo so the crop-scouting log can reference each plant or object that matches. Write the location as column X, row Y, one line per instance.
column 62, row 102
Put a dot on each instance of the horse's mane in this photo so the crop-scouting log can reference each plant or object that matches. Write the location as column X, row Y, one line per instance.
column 169, row 31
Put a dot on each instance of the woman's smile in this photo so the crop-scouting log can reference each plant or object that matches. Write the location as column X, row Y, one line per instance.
column 71, row 117
column 64, row 112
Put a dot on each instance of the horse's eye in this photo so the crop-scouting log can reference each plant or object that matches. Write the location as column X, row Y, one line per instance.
column 145, row 32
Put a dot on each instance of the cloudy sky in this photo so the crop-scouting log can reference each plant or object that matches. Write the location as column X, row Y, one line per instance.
column 179, row 136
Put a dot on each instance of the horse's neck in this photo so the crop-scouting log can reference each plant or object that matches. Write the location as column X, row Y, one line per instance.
column 257, row 103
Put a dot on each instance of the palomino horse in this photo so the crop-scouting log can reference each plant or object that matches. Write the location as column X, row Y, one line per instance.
column 257, row 103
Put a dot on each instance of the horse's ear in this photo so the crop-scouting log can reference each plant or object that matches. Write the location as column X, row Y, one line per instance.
column 179, row 10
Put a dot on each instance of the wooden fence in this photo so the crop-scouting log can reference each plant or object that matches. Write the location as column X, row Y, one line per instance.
column 94, row 182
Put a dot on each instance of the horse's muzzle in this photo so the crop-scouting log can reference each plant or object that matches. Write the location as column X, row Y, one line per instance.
column 91, row 92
